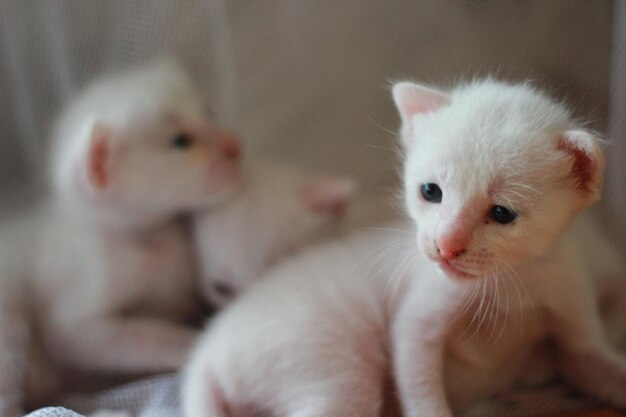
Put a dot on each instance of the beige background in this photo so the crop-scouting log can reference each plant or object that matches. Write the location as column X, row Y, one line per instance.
column 302, row 81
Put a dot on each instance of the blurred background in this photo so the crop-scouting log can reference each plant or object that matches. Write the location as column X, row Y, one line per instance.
column 307, row 81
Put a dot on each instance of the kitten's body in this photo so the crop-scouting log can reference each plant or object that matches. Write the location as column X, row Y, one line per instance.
column 105, row 261
column 276, row 212
column 146, row 274
column 321, row 334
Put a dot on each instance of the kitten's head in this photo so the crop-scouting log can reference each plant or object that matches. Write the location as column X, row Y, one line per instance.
column 277, row 211
column 494, row 173
column 141, row 141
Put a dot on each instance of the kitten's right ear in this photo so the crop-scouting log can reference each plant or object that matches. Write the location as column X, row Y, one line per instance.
column 99, row 158
column 412, row 99
column 587, row 163
column 328, row 195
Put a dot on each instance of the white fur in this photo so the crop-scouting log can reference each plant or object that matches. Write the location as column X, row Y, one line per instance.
column 107, row 265
column 320, row 335
column 278, row 210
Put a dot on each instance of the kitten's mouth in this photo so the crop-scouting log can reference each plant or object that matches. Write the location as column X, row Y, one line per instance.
column 453, row 271
column 224, row 175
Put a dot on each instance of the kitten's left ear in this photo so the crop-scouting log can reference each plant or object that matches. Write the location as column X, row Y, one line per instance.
column 329, row 196
column 98, row 158
column 587, row 163
column 412, row 99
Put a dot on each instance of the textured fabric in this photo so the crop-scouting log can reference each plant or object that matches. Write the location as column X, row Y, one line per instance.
column 158, row 397
column 151, row 397
column 53, row 412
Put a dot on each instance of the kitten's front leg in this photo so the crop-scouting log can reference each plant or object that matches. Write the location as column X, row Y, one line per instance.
column 586, row 357
column 124, row 344
column 419, row 334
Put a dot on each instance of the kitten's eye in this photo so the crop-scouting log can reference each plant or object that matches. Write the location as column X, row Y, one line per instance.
column 431, row 192
column 502, row 214
column 181, row 141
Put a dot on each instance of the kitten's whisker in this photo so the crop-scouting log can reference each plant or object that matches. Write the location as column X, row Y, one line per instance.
column 517, row 279
column 486, row 314
column 519, row 297
column 376, row 253
column 527, row 187
column 412, row 264
column 508, row 201
column 476, row 315
column 506, row 311
column 382, row 148
column 468, row 302
column 530, row 299
column 386, row 229
column 395, row 278
column 522, row 196
column 378, row 259
column 382, row 259
column 496, row 309
column 378, row 125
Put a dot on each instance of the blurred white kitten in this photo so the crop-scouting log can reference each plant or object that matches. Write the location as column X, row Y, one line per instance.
column 278, row 210
column 109, row 269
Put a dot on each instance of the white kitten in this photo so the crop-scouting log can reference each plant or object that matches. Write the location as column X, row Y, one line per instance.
column 278, row 210
column 112, row 277
column 502, row 289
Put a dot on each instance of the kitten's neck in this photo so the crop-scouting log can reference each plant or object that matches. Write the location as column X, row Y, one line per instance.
column 113, row 219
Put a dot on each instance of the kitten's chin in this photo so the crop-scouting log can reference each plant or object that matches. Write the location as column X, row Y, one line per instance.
column 449, row 270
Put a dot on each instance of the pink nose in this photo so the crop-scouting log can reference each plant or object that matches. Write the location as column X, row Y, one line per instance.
column 229, row 146
column 449, row 251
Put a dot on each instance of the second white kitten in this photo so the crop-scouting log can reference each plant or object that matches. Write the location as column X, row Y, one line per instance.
column 104, row 262
column 278, row 210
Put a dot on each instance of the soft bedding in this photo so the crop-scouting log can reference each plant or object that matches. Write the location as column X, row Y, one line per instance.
column 158, row 397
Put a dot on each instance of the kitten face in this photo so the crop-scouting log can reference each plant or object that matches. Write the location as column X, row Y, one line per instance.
column 487, row 180
column 172, row 161
column 278, row 211
column 141, row 141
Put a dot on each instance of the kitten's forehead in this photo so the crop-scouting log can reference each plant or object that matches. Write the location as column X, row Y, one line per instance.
column 489, row 135
column 142, row 93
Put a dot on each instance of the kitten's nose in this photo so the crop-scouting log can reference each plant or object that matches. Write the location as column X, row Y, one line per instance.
column 229, row 146
column 222, row 142
column 449, row 252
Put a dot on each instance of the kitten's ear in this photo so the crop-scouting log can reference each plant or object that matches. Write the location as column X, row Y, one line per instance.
column 587, row 162
column 328, row 195
column 412, row 99
column 99, row 158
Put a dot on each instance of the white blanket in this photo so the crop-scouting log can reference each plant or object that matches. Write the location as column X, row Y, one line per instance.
column 158, row 397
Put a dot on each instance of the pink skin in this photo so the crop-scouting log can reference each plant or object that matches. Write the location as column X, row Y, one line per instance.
column 451, row 247
column 224, row 166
